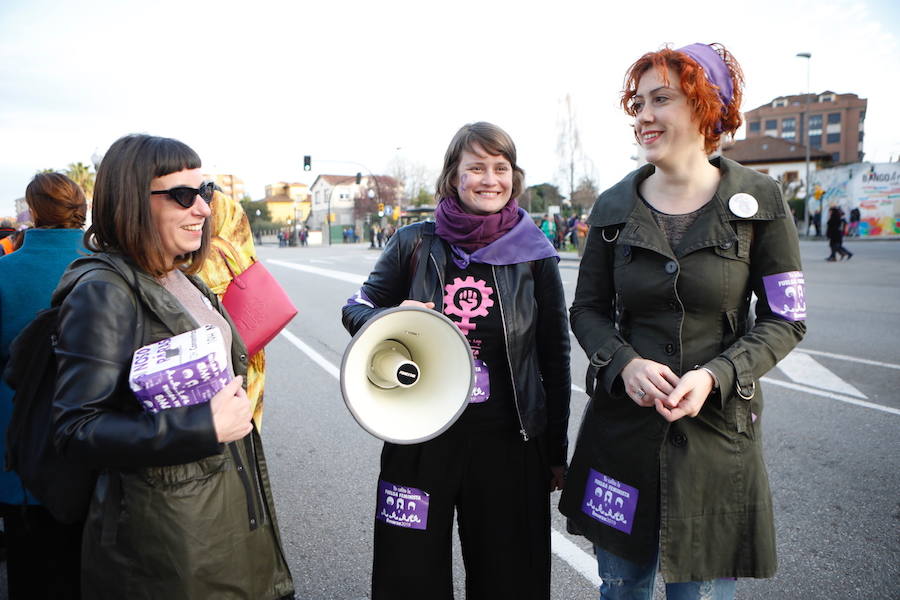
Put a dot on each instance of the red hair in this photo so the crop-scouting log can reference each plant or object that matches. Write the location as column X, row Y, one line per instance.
column 713, row 117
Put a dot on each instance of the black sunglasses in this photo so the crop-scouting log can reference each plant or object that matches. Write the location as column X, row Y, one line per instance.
column 184, row 195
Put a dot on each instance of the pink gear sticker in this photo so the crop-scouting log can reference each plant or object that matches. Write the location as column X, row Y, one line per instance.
column 466, row 299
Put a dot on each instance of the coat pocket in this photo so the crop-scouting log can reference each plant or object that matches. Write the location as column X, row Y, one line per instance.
column 178, row 475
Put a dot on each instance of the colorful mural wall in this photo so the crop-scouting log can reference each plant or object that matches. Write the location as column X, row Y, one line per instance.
column 874, row 188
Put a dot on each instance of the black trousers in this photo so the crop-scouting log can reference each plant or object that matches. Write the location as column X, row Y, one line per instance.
column 43, row 556
column 499, row 487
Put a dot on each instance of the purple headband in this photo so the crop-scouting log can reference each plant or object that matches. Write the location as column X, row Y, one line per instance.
column 715, row 68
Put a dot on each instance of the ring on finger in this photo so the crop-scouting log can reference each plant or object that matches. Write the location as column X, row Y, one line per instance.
column 640, row 394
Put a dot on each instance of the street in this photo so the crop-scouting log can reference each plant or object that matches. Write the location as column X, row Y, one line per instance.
column 831, row 435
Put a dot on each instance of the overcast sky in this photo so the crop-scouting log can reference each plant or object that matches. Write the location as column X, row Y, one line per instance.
column 253, row 86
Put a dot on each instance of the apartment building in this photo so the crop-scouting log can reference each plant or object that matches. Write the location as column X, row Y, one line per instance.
column 834, row 122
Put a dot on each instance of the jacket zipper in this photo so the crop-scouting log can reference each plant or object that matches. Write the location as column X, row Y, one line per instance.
column 508, row 361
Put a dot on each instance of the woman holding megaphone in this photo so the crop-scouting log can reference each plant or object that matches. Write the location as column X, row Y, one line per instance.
column 491, row 271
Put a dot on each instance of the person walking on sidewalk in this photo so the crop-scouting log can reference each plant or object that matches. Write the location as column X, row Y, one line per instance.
column 834, row 231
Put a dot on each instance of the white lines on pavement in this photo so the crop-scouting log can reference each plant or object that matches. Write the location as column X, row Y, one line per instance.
column 864, row 361
column 832, row 395
column 803, row 369
column 312, row 354
column 341, row 275
column 578, row 559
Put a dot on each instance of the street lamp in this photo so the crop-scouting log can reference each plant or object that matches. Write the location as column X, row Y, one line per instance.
column 804, row 126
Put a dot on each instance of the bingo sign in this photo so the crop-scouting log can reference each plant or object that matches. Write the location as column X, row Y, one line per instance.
column 610, row 501
column 785, row 293
column 402, row 506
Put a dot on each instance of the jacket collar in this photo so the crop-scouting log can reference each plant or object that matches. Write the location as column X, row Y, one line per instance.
column 621, row 209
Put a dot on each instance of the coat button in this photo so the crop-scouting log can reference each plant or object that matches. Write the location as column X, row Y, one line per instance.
column 726, row 245
column 678, row 439
column 243, row 358
column 670, row 349
column 626, row 250
column 671, row 267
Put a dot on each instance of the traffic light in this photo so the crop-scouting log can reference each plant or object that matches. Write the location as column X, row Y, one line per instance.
column 358, row 178
column 307, row 162
column 381, row 209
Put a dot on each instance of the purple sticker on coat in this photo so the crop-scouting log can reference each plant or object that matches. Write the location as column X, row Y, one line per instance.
column 610, row 501
column 402, row 506
column 785, row 292
column 482, row 388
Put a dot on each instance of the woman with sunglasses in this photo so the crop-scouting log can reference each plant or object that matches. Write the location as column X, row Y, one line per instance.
column 182, row 507
column 668, row 470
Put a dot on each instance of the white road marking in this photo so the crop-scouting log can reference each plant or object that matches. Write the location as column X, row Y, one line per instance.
column 864, row 361
column 341, row 275
column 578, row 559
column 803, row 369
column 833, row 396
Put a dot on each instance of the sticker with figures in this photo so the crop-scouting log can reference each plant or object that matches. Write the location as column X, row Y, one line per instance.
column 610, row 501
column 482, row 390
column 402, row 506
column 786, row 295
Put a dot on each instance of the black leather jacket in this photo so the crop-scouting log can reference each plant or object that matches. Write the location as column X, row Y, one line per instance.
column 535, row 323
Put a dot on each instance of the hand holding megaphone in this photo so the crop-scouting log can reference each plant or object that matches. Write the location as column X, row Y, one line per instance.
column 407, row 375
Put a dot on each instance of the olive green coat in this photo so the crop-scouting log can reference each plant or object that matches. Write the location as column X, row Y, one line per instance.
column 175, row 515
column 702, row 489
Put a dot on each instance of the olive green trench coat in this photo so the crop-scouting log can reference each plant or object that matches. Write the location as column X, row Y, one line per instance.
column 175, row 515
column 698, row 487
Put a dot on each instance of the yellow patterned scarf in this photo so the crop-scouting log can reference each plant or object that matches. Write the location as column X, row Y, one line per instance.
column 232, row 241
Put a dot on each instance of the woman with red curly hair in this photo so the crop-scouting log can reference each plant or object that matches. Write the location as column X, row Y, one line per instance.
column 668, row 471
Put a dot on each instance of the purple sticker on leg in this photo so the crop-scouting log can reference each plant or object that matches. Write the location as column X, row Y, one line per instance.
column 609, row 501
column 402, row 506
column 785, row 292
column 482, row 389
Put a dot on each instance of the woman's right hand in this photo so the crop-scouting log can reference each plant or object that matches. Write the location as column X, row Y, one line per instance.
column 232, row 417
column 429, row 305
column 646, row 381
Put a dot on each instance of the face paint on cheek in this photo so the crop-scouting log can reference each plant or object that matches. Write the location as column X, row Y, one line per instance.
column 462, row 182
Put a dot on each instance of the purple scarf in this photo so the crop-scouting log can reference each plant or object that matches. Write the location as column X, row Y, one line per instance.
column 473, row 232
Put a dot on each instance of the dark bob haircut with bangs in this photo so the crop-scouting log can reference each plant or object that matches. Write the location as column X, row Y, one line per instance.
column 494, row 141
column 121, row 219
column 713, row 118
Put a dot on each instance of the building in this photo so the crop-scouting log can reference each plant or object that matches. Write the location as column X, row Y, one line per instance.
column 349, row 202
column 781, row 159
column 288, row 203
column 835, row 123
column 229, row 184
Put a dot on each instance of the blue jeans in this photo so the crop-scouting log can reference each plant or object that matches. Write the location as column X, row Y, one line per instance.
column 625, row 580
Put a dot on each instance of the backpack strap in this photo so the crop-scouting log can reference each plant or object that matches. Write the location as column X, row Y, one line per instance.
column 419, row 260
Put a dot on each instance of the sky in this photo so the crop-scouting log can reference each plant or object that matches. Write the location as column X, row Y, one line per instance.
column 357, row 85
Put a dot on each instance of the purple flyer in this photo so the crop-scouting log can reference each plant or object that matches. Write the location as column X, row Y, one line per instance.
column 402, row 506
column 482, row 389
column 610, row 501
column 189, row 368
column 785, row 292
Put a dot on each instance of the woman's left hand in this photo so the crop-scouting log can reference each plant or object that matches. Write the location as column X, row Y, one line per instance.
column 557, row 478
column 688, row 397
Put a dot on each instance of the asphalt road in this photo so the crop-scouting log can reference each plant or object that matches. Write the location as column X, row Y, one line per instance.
column 830, row 433
column 833, row 464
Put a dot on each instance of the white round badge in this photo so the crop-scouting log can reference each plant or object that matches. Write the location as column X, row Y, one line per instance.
column 743, row 205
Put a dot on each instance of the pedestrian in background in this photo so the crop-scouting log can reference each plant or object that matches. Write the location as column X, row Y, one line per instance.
column 495, row 467
column 43, row 555
column 834, row 231
column 182, row 507
column 668, row 470
column 854, row 222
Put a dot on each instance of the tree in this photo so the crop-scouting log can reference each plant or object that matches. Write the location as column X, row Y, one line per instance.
column 568, row 145
column 584, row 195
column 374, row 190
column 537, row 198
column 257, row 212
column 413, row 176
column 424, row 198
column 83, row 176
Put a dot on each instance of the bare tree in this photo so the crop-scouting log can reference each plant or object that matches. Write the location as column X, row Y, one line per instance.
column 568, row 145
column 413, row 176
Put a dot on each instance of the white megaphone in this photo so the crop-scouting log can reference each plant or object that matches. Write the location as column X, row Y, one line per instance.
column 407, row 375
